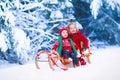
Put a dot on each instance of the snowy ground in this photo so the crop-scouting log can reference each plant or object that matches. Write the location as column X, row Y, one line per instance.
column 105, row 66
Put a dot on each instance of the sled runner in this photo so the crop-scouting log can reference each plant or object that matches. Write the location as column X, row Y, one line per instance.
column 52, row 59
column 86, row 53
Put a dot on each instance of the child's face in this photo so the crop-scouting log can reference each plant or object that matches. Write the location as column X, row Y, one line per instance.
column 64, row 33
column 72, row 29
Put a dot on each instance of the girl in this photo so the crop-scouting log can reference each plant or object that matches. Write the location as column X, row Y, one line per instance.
column 65, row 47
column 79, row 39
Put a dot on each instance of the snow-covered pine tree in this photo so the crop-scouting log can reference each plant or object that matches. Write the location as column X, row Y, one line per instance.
column 100, row 21
column 32, row 25
column 38, row 22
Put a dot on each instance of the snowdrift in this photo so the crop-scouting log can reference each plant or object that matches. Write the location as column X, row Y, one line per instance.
column 105, row 66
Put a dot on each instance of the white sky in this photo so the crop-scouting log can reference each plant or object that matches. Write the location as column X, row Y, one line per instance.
column 105, row 66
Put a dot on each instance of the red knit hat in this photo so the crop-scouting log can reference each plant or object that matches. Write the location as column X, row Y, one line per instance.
column 61, row 29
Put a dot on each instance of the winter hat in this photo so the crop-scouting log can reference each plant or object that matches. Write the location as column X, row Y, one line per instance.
column 61, row 29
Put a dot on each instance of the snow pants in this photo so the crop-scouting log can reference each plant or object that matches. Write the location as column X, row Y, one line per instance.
column 66, row 54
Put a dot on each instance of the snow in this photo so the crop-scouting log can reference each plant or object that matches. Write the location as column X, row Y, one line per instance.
column 56, row 14
column 3, row 45
column 68, row 4
column 104, row 66
column 22, row 43
column 105, row 62
column 113, row 3
column 22, row 40
column 50, row 1
column 95, row 6
column 79, row 26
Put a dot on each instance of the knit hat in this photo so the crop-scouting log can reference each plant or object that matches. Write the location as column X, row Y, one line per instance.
column 61, row 29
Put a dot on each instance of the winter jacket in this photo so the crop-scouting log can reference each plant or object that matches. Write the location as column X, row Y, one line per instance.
column 78, row 38
column 64, row 44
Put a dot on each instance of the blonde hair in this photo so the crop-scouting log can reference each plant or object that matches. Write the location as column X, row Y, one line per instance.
column 72, row 24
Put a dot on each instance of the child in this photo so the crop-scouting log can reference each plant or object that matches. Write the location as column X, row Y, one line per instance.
column 79, row 39
column 65, row 46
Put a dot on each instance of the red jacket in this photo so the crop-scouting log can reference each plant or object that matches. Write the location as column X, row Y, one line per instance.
column 78, row 38
column 66, row 45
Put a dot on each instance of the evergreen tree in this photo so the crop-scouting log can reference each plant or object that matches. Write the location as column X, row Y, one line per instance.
column 39, row 20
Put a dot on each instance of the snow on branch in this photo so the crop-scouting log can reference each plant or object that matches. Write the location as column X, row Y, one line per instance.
column 113, row 3
column 31, row 6
column 95, row 6
column 3, row 40
column 59, row 20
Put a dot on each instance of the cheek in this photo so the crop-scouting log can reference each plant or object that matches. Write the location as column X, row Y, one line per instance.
column 67, row 34
column 72, row 30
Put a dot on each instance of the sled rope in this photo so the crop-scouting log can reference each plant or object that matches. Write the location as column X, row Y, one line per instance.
column 53, row 61
column 58, row 65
